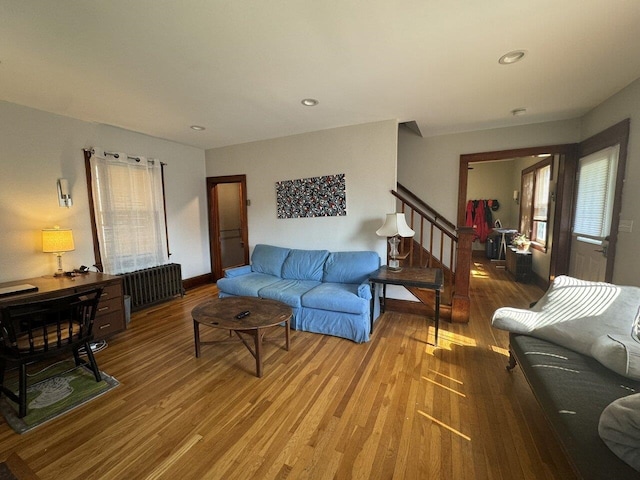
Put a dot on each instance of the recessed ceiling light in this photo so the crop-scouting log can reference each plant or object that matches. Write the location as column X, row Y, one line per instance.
column 197, row 128
column 310, row 102
column 512, row 57
column 516, row 112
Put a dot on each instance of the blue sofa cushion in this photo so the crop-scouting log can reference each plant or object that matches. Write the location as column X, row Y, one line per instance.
column 268, row 259
column 288, row 291
column 237, row 271
column 346, row 325
column 246, row 285
column 338, row 297
column 304, row 264
column 350, row 267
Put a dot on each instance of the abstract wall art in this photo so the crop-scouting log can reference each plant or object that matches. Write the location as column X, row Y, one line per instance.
column 312, row 197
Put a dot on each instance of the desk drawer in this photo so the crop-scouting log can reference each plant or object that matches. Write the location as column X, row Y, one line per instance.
column 111, row 291
column 107, row 324
column 106, row 307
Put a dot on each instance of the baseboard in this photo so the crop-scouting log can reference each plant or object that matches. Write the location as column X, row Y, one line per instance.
column 189, row 283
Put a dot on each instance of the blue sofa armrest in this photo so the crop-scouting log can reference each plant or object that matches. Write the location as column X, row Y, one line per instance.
column 364, row 290
column 237, row 271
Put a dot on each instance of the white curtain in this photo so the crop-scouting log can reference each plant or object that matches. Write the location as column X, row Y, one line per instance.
column 129, row 211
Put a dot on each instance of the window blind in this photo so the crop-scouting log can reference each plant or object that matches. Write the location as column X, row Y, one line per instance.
column 594, row 201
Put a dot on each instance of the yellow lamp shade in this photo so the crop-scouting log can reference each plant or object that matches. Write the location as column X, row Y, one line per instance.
column 55, row 240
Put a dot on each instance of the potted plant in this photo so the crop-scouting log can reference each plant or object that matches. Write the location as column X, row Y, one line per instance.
column 521, row 242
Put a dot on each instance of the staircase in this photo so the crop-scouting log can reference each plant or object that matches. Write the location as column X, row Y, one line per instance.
column 437, row 243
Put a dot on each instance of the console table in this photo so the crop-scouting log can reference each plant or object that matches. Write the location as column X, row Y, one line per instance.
column 428, row 278
column 110, row 317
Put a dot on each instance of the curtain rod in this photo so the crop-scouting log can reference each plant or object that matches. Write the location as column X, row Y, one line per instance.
column 117, row 155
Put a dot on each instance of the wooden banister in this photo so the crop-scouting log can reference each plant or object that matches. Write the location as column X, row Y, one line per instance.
column 439, row 243
column 461, row 301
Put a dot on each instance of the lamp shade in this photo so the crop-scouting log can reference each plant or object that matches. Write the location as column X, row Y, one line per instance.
column 55, row 240
column 395, row 224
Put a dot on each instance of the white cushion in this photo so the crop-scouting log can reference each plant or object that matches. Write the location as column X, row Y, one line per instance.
column 619, row 428
column 620, row 353
column 576, row 313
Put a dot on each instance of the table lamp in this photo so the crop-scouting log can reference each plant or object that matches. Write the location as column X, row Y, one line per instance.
column 395, row 226
column 58, row 241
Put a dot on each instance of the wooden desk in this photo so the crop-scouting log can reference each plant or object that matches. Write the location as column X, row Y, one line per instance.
column 110, row 317
column 429, row 278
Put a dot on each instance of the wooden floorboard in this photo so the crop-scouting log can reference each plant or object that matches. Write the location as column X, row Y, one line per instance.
column 394, row 407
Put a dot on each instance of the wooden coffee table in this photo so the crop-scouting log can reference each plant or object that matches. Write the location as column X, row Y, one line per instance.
column 222, row 312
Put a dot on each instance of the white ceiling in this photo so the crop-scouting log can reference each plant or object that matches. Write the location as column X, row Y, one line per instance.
column 241, row 67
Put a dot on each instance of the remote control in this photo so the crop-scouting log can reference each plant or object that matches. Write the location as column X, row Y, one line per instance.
column 246, row 313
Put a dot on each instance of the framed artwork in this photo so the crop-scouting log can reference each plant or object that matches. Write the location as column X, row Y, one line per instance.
column 312, row 197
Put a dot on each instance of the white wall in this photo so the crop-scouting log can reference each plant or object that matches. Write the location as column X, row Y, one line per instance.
column 493, row 181
column 37, row 148
column 366, row 154
column 430, row 166
column 625, row 104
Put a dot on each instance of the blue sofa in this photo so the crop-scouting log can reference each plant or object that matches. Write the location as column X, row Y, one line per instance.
column 328, row 292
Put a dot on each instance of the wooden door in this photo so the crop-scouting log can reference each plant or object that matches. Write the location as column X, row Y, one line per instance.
column 228, row 229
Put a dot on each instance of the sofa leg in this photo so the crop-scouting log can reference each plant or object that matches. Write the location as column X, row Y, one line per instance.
column 512, row 362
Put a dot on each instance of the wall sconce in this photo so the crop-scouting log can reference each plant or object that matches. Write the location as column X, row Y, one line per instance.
column 516, row 196
column 64, row 194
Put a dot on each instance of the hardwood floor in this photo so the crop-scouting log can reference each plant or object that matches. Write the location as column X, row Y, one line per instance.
column 329, row 408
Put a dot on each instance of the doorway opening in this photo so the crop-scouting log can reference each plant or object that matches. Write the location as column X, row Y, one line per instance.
column 561, row 205
column 565, row 195
column 228, row 230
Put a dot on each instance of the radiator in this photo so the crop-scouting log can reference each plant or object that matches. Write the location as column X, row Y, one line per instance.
column 153, row 285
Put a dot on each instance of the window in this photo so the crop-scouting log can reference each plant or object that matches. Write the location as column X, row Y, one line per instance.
column 534, row 203
column 596, row 187
column 128, row 211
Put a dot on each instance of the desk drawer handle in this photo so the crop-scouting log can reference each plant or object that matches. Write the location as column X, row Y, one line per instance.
column 106, row 325
column 103, row 309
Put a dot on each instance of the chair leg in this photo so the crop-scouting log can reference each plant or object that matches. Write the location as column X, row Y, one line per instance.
column 22, row 394
column 76, row 357
column 92, row 362
column 3, row 367
column 512, row 362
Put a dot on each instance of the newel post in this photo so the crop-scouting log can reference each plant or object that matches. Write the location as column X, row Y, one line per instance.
column 461, row 302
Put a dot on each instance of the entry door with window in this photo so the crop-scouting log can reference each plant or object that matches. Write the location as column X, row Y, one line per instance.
column 593, row 214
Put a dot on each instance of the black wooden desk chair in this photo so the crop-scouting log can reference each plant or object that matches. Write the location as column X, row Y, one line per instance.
column 34, row 331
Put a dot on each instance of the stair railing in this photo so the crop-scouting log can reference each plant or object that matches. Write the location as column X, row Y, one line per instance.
column 438, row 243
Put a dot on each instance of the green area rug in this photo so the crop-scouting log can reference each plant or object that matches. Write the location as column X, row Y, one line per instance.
column 53, row 392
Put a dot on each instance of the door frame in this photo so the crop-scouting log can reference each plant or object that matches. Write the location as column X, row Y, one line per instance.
column 564, row 194
column 214, row 223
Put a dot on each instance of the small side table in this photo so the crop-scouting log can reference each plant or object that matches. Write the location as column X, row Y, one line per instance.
column 519, row 264
column 429, row 278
